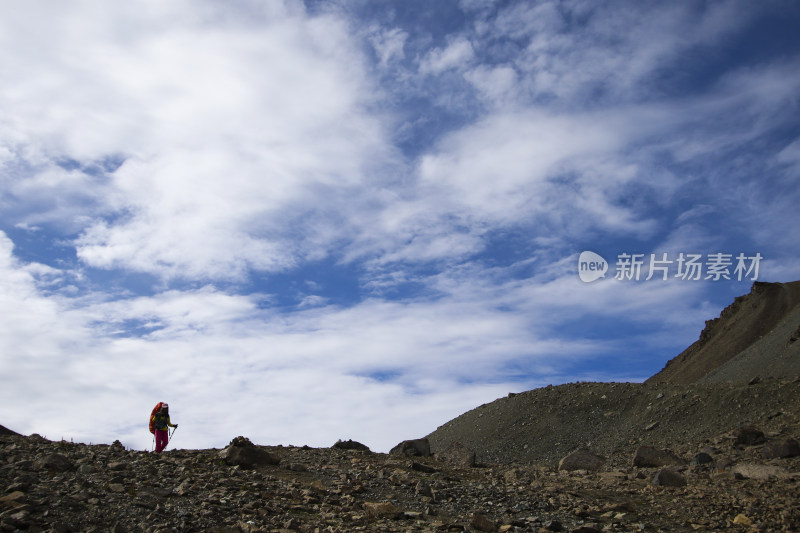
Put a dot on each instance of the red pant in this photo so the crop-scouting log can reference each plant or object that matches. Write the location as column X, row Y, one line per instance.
column 162, row 438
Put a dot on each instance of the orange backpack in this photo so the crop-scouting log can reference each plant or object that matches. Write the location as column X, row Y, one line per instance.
column 152, row 421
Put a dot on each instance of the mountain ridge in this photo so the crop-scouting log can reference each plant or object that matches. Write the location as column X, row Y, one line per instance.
column 744, row 368
column 750, row 320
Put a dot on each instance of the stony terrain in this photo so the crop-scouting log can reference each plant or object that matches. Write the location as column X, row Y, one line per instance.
column 738, row 481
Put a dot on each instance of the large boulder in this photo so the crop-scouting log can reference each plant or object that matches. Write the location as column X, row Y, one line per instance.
column 649, row 457
column 748, row 436
column 669, row 478
column 702, row 458
column 581, row 460
column 350, row 445
column 412, row 448
column 242, row 452
column 54, row 462
column 781, row 449
column 458, row 455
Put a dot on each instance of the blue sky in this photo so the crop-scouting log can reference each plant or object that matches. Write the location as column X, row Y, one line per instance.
column 301, row 222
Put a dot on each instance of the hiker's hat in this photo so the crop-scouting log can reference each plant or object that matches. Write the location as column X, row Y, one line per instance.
column 165, row 406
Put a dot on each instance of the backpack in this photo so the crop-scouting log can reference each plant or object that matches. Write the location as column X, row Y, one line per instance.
column 152, row 421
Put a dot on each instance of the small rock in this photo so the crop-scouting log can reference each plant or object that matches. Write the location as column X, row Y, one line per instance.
column 669, row 478
column 86, row 469
column 162, row 492
column 16, row 521
column 118, row 488
column 14, row 500
column 423, row 489
column 554, row 525
column 380, row 510
column 742, row 520
column 184, row 488
column 292, row 524
column 480, row 522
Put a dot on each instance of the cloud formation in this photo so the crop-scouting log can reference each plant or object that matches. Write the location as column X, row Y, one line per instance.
column 304, row 222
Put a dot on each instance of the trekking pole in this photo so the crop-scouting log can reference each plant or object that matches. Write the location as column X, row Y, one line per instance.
column 171, row 433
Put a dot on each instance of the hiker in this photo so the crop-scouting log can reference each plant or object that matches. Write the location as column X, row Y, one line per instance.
column 161, row 424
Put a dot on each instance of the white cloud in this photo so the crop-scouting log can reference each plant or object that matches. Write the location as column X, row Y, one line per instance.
column 790, row 155
column 513, row 168
column 388, row 45
column 497, row 84
column 226, row 131
column 456, row 55
column 579, row 51
column 696, row 212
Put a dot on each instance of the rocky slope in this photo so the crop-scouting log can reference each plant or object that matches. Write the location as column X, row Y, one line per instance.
column 6, row 431
column 543, row 425
column 773, row 355
column 738, row 481
column 751, row 337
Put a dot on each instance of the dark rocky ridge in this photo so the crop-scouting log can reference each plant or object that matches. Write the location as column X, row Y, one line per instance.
column 6, row 431
column 752, row 336
column 773, row 355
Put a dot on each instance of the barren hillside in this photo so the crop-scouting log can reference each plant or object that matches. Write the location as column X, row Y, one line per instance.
column 543, row 425
column 745, row 368
column 761, row 322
